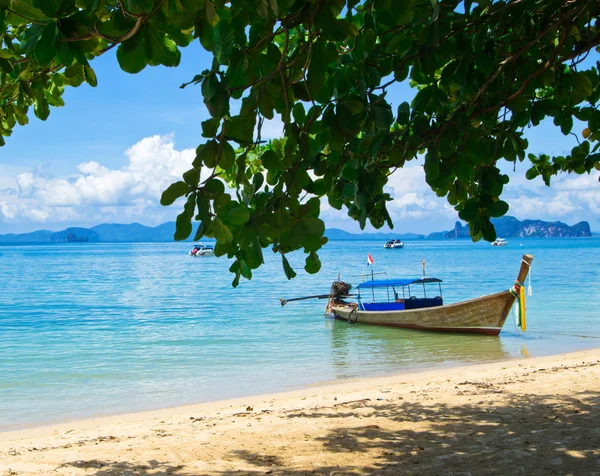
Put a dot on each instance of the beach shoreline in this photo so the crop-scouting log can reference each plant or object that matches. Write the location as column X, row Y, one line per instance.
column 326, row 385
column 434, row 421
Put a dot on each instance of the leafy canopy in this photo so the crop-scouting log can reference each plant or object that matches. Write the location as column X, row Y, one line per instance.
column 483, row 71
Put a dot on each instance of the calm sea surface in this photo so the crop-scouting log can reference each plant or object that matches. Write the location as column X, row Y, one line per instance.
column 93, row 329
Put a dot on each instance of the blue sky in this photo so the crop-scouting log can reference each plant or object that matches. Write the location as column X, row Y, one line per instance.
column 107, row 155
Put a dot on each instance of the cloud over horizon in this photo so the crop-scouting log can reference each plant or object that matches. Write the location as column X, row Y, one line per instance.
column 95, row 194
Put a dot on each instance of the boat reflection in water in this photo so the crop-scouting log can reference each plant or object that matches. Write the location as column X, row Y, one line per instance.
column 383, row 350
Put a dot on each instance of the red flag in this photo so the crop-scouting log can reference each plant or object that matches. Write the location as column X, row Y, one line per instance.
column 370, row 260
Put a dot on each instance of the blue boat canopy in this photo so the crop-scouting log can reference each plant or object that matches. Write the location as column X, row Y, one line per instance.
column 396, row 282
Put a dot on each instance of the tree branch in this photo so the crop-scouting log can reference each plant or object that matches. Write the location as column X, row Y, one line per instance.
column 513, row 58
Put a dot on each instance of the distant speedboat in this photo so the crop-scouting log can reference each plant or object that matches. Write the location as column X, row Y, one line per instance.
column 202, row 250
column 393, row 244
column 499, row 242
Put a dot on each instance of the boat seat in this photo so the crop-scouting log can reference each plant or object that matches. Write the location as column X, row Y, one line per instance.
column 383, row 306
column 419, row 303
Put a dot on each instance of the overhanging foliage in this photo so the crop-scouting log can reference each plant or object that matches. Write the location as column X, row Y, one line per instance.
column 484, row 71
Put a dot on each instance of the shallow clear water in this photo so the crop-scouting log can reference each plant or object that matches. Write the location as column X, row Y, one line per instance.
column 91, row 329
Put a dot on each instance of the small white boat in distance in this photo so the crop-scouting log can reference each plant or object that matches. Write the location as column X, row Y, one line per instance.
column 393, row 244
column 499, row 242
column 202, row 250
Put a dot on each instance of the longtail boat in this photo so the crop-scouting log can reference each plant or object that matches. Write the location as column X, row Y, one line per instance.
column 483, row 315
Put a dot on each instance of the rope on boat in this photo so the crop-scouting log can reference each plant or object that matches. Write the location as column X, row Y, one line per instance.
column 355, row 311
column 515, row 314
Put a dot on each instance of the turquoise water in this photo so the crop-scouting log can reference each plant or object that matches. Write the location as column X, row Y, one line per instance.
column 92, row 329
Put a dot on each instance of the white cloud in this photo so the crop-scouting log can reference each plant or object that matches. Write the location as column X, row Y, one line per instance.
column 96, row 192
column 412, row 198
column 570, row 198
column 8, row 210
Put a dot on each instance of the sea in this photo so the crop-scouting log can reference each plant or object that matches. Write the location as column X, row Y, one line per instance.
column 109, row 328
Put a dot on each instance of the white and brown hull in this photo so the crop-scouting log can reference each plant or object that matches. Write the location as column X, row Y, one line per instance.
column 484, row 315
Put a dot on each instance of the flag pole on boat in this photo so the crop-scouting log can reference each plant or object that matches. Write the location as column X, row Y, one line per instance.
column 370, row 262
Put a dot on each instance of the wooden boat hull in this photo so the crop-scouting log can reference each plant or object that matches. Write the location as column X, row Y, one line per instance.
column 484, row 315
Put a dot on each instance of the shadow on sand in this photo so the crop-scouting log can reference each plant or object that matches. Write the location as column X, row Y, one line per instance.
column 532, row 435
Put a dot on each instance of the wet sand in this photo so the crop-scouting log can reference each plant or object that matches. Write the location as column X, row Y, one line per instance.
column 530, row 416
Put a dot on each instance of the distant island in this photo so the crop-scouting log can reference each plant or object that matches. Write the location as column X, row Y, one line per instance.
column 506, row 227
column 510, row 227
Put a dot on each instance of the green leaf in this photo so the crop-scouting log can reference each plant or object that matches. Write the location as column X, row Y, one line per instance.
column 90, row 76
column 567, row 124
column 46, row 48
column 49, row 8
column 138, row 6
column 203, row 206
column 192, row 176
column 498, row 209
column 262, row 8
column 160, row 49
column 313, row 263
column 214, row 187
column 41, row 108
column 313, row 226
column 404, row 12
column 582, row 84
column 487, row 229
column 317, row 67
column 222, row 233
column 207, row 154
column 258, row 180
column 237, row 216
column 132, row 55
column 250, row 246
column 173, row 192
column 241, row 128
column 183, row 224
column 271, row 160
column 382, row 114
column 210, row 87
column 211, row 14
column 532, row 173
column 223, row 38
column 227, row 157
column 210, row 127
column 403, row 114
column 237, row 71
column 221, row 202
column 26, row 11
column 216, row 97
column 355, row 106
column 299, row 113
column 29, row 38
column 6, row 66
column 288, row 270
column 432, row 166
column 350, row 173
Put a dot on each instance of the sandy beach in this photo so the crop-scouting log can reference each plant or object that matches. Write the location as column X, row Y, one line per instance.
column 529, row 416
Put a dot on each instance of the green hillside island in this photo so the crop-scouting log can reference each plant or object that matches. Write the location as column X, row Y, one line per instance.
column 510, row 227
column 507, row 227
